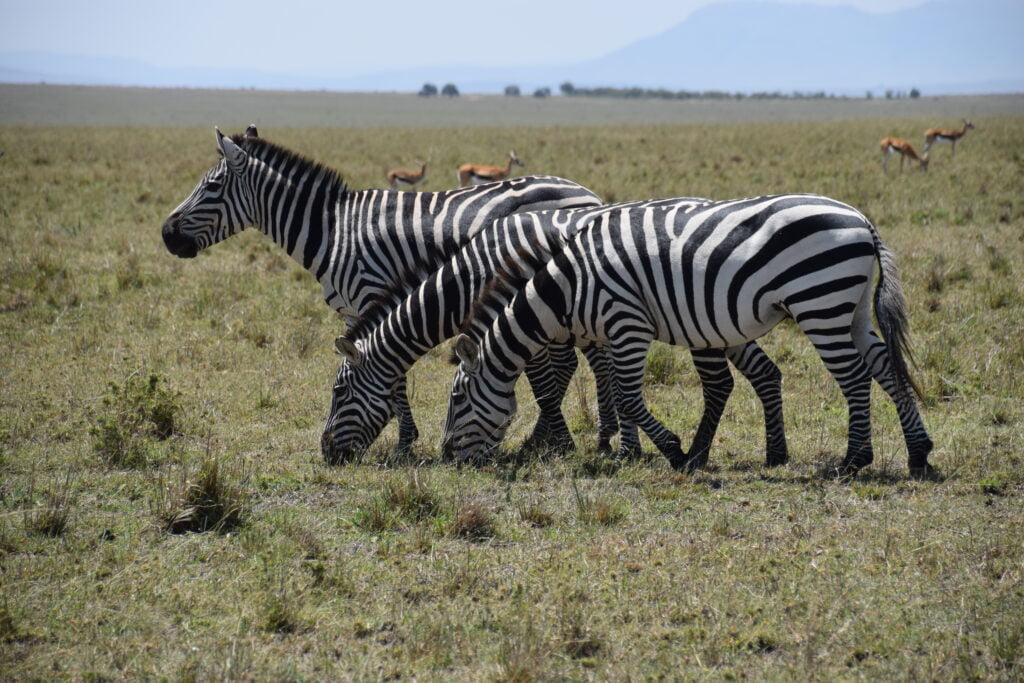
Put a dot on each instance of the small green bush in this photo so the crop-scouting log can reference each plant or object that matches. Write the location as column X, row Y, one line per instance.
column 131, row 418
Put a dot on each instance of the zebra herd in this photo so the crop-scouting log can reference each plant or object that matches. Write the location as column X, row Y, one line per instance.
column 522, row 271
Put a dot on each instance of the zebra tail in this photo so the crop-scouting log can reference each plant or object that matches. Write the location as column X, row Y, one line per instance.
column 891, row 313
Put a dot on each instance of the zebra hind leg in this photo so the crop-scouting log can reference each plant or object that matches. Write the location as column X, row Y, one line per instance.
column 844, row 361
column 751, row 360
column 919, row 444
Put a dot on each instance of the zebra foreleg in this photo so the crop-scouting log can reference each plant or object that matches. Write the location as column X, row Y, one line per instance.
column 607, row 418
column 751, row 360
column 549, row 373
column 407, row 432
column 716, row 384
column 628, row 362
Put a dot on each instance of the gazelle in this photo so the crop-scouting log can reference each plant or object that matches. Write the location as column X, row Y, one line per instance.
column 405, row 177
column 933, row 135
column 478, row 173
column 892, row 146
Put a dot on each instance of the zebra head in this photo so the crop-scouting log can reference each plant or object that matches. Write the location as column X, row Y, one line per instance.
column 478, row 413
column 361, row 405
column 219, row 206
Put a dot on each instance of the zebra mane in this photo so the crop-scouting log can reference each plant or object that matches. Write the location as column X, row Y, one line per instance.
column 499, row 291
column 266, row 150
column 407, row 281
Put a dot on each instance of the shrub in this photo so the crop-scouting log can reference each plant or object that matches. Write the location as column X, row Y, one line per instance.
column 132, row 417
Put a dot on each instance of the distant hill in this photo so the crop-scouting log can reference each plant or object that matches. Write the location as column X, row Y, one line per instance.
column 943, row 46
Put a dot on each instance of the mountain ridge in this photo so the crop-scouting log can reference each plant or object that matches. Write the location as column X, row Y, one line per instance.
column 942, row 46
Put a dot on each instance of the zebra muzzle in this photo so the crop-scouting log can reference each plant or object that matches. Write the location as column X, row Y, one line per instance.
column 177, row 243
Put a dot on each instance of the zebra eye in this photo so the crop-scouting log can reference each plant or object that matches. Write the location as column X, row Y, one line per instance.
column 458, row 397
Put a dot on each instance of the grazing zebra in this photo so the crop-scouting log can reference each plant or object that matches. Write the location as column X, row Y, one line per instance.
column 358, row 244
column 381, row 348
column 704, row 276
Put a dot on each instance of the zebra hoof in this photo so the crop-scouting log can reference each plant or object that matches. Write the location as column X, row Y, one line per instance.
column 776, row 458
column 681, row 462
column 604, row 445
column 551, row 443
column 926, row 472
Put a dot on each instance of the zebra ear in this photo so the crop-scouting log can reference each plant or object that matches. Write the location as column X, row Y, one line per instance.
column 347, row 347
column 232, row 152
column 251, row 131
column 468, row 351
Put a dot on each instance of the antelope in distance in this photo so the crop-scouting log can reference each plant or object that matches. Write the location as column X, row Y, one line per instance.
column 892, row 146
column 478, row 173
column 405, row 178
column 951, row 135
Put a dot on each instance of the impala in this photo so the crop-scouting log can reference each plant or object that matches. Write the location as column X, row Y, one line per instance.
column 892, row 146
column 951, row 135
column 405, row 177
column 478, row 173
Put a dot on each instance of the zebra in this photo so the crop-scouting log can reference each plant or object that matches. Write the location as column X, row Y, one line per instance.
column 381, row 348
column 702, row 276
column 359, row 244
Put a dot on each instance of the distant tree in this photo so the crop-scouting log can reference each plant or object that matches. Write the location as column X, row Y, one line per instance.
column 542, row 92
column 914, row 93
column 449, row 90
column 888, row 94
column 428, row 90
column 512, row 91
column 567, row 88
column 869, row 95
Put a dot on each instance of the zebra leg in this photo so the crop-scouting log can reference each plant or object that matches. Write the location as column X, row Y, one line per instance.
column 628, row 362
column 607, row 419
column 844, row 361
column 919, row 444
column 751, row 360
column 549, row 373
column 407, row 432
column 716, row 384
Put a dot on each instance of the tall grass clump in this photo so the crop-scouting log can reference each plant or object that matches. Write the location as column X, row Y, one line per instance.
column 211, row 500
column 51, row 517
column 473, row 522
column 131, row 418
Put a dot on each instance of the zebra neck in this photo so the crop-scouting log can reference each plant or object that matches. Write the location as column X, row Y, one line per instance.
column 411, row 330
column 299, row 214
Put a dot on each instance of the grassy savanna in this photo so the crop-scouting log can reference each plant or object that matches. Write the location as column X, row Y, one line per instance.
column 145, row 399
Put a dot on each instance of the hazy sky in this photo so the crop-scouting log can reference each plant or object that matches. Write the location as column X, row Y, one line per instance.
column 347, row 37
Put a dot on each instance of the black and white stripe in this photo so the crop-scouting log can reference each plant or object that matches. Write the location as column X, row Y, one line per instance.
column 360, row 245
column 378, row 354
column 708, row 276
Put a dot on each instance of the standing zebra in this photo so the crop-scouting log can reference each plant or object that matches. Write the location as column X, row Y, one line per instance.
column 358, row 244
column 707, row 276
column 381, row 348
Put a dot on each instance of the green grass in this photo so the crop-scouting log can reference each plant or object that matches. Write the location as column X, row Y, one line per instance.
column 535, row 568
